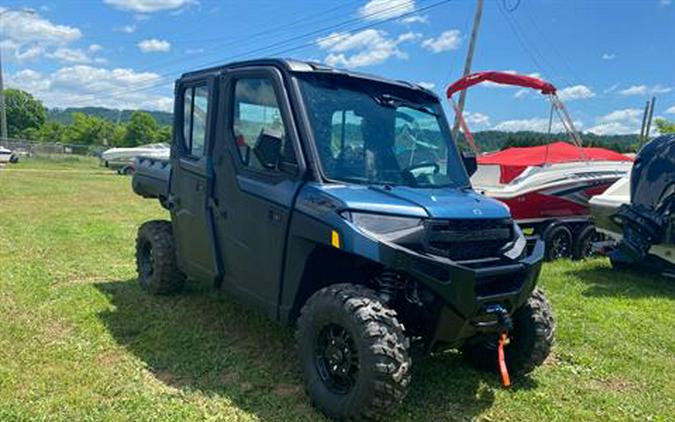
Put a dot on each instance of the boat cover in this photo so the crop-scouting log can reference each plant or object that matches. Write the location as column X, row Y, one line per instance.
column 513, row 161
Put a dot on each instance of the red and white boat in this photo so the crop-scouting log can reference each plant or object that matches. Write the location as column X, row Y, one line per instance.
column 547, row 187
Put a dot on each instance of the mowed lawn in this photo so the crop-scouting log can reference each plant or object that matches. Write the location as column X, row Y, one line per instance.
column 79, row 340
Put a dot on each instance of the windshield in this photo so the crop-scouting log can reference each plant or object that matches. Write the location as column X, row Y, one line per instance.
column 374, row 133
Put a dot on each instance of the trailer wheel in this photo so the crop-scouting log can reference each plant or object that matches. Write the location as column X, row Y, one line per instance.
column 158, row 272
column 558, row 240
column 583, row 242
column 530, row 341
column 353, row 353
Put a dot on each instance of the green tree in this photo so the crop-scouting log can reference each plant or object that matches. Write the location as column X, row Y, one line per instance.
column 664, row 126
column 23, row 112
column 164, row 134
column 89, row 130
column 52, row 131
column 142, row 129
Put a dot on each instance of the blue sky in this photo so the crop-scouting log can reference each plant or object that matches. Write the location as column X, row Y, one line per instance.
column 606, row 57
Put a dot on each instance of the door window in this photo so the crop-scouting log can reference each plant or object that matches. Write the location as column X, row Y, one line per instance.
column 195, row 111
column 257, row 113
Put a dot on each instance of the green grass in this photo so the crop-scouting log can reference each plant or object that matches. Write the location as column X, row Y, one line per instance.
column 80, row 341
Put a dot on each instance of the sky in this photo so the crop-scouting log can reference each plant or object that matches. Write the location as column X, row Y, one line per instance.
column 606, row 57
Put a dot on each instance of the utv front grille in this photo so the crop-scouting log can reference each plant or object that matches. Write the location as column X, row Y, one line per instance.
column 464, row 240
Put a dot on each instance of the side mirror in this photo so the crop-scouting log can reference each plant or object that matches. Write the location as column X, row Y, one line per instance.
column 470, row 162
column 268, row 150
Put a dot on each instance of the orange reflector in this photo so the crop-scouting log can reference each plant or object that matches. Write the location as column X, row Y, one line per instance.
column 335, row 239
column 503, row 370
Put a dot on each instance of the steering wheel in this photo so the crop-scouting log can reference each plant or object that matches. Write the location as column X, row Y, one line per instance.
column 421, row 165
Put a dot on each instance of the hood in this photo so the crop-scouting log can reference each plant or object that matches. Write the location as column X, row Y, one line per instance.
column 449, row 203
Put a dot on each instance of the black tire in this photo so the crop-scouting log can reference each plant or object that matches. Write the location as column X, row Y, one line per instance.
column 558, row 241
column 530, row 341
column 128, row 171
column 583, row 242
column 378, row 382
column 156, row 258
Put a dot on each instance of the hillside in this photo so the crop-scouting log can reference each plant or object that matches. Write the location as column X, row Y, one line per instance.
column 66, row 115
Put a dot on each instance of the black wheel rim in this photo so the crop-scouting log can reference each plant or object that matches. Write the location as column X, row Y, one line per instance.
column 147, row 261
column 336, row 359
column 561, row 245
column 593, row 237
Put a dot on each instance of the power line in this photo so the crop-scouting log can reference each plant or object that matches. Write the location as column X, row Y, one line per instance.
column 314, row 33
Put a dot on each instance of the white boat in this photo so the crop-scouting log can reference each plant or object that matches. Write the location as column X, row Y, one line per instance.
column 6, row 155
column 546, row 187
column 120, row 157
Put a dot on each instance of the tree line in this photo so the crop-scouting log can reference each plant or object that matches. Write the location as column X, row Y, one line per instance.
column 27, row 118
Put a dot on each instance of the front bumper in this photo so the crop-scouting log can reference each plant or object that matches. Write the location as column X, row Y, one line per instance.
column 468, row 289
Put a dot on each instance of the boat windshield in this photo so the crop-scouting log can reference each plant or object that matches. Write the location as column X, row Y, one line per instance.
column 374, row 133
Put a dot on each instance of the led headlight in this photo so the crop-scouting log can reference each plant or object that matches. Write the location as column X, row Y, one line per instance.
column 516, row 247
column 382, row 224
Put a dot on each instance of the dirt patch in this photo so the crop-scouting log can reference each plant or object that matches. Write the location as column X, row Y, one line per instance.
column 287, row 390
column 614, row 384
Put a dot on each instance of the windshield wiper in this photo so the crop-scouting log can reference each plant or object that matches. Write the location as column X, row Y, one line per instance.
column 391, row 101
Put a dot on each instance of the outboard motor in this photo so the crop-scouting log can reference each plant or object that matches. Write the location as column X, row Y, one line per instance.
column 646, row 220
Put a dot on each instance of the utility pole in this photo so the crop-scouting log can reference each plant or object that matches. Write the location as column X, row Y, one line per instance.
column 649, row 118
column 3, row 112
column 467, row 63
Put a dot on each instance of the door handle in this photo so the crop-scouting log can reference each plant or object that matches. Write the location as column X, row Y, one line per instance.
column 274, row 216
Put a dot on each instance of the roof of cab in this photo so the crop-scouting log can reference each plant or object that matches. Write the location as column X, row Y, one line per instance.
column 293, row 65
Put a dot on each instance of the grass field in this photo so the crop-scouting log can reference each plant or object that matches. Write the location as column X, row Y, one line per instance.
column 80, row 341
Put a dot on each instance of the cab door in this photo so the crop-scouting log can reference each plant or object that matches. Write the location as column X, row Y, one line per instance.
column 190, row 180
column 254, row 201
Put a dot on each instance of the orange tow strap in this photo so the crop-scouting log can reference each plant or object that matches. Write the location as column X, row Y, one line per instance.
column 503, row 370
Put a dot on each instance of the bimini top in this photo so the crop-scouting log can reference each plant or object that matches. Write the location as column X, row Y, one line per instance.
column 502, row 78
column 513, row 161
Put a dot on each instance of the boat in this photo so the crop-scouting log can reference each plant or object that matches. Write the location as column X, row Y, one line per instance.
column 7, row 156
column 117, row 158
column 637, row 213
column 547, row 187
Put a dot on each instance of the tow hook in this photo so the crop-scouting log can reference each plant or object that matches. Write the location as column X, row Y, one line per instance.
column 505, row 325
column 503, row 317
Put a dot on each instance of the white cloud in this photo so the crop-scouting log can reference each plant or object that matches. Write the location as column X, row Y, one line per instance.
column 427, row 85
column 477, row 120
column 608, row 56
column 448, row 40
column 645, row 90
column 23, row 28
column 27, row 36
column 670, row 110
column 14, row 52
column 70, row 55
column 148, row 6
column 82, row 85
column 618, row 122
column 386, row 9
column 367, row 47
column 129, row 29
column 154, row 45
column 534, row 124
column 95, row 48
column 416, row 19
column 575, row 92
column 623, row 115
column 613, row 128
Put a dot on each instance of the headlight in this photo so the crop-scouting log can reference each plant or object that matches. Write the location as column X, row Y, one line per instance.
column 382, row 224
column 516, row 247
